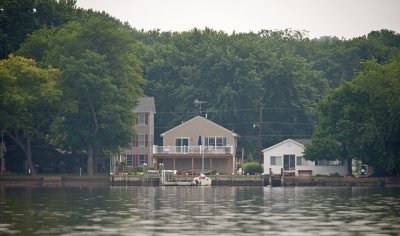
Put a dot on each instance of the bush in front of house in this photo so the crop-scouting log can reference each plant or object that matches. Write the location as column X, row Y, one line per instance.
column 134, row 170
column 252, row 168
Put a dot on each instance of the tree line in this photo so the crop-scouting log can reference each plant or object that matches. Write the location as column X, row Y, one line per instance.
column 266, row 86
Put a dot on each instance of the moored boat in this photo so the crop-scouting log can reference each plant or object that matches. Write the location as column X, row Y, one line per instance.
column 202, row 180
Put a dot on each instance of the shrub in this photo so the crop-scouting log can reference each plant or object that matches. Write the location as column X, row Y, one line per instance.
column 252, row 168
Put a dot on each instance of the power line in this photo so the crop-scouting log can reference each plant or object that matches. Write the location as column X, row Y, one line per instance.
column 230, row 110
column 276, row 135
column 249, row 123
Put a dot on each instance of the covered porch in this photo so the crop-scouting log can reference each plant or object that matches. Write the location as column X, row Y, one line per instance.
column 194, row 164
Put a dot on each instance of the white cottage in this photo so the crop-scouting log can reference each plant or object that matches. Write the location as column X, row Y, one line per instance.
column 288, row 155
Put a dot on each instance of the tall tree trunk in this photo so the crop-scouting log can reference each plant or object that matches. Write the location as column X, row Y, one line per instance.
column 26, row 148
column 90, row 160
column 95, row 163
column 28, row 154
column 349, row 160
column 349, row 167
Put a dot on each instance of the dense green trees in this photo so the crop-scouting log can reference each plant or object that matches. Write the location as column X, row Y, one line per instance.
column 100, row 78
column 29, row 102
column 360, row 119
column 250, row 82
column 19, row 18
column 265, row 86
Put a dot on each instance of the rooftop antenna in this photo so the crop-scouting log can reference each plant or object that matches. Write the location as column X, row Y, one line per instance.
column 197, row 103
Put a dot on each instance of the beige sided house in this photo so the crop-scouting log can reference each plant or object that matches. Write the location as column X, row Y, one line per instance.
column 140, row 151
column 197, row 146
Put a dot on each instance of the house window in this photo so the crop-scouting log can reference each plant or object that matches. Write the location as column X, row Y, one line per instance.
column 141, row 119
column 129, row 160
column 141, row 140
column 182, row 145
column 215, row 141
column 210, row 141
column 289, row 162
column 221, row 141
column 300, row 161
column 276, row 161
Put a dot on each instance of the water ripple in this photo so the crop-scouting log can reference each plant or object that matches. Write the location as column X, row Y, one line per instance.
column 200, row 211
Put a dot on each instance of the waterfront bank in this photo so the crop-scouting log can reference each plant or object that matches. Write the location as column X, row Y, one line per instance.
column 217, row 180
column 54, row 181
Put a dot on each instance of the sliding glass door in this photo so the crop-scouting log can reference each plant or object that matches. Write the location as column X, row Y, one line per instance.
column 289, row 162
column 182, row 145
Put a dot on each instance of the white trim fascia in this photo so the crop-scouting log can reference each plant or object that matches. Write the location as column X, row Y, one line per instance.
column 207, row 120
column 284, row 141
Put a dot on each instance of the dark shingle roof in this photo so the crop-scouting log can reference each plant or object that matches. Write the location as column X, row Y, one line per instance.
column 146, row 104
column 302, row 141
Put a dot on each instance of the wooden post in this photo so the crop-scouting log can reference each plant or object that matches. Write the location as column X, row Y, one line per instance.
column 229, row 162
column 270, row 176
column 262, row 179
column 192, row 166
column 282, row 178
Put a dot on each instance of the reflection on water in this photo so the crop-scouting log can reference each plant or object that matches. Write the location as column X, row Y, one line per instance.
column 199, row 211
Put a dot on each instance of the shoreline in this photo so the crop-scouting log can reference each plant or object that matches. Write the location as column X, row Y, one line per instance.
column 222, row 180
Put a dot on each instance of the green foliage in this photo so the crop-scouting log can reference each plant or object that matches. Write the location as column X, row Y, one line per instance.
column 137, row 169
column 322, row 149
column 237, row 75
column 264, row 86
column 283, row 74
column 359, row 120
column 29, row 101
column 20, row 18
column 100, row 79
column 252, row 168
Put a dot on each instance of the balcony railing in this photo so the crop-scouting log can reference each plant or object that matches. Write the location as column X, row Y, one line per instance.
column 192, row 149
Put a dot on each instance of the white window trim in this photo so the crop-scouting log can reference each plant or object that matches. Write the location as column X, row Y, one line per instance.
column 183, row 138
column 143, row 116
column 144, row 140
column 129, row 156
column 278, row 160
column 207, row 141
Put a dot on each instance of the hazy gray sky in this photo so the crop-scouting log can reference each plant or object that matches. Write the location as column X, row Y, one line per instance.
column 341, row 18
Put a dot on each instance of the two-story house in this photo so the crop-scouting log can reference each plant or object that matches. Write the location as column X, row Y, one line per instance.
column 140, row 151
column 197, row 146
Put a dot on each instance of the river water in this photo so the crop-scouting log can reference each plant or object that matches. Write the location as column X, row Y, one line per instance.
column 199, row 211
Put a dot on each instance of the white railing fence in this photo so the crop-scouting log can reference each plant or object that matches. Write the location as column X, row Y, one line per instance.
column 192, row 149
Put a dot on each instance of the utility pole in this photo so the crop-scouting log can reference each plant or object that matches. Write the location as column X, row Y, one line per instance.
column 242, row 161
column 260, row 137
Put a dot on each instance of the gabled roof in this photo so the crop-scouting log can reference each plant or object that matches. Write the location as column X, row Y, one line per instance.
column 203, row 119
column 300, row 142
column 145, row 104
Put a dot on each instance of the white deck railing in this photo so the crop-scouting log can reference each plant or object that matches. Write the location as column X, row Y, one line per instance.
column 192, row 149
